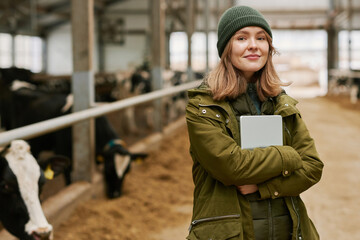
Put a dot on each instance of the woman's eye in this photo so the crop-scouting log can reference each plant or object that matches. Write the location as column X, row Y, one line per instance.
column 261, row 38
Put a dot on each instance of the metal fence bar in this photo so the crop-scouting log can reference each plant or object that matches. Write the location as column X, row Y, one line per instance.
column 54, row 124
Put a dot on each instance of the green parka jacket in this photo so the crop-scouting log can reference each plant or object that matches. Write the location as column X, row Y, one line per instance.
column 219, row 164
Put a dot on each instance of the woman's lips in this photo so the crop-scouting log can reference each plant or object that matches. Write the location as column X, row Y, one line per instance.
column 252, row 57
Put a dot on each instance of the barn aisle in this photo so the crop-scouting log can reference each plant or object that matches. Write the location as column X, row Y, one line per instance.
column 158, row 193
column 333, row 203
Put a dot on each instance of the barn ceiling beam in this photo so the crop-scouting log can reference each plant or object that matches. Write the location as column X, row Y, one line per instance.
column 127, row 12
column 172, row 10
column 54, row 8
column 109, row 3
column 13, row 14
column 294, row 12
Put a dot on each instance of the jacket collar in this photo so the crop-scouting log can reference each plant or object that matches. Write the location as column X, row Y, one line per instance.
column 206, row 98
column 284, row 105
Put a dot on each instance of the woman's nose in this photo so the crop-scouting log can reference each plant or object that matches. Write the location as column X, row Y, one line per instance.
column 252, row 43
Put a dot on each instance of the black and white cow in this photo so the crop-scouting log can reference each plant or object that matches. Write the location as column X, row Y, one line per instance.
column 21, row 181
column 27, row 104
column 140, row 82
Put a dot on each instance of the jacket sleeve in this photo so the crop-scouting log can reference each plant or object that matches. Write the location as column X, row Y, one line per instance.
column 301, row 179
column 220, row 155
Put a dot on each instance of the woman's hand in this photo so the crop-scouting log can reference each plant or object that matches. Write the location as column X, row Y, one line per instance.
column 247, row 189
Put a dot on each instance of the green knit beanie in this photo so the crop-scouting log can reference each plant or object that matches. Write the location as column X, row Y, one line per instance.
column 236, row 18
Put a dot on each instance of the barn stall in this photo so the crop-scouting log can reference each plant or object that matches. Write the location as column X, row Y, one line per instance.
column 113, row 36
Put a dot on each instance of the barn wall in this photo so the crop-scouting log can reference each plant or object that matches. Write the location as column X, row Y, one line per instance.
column 117, row 56
column 128, row 56
column 59, row 51
column 132, row 52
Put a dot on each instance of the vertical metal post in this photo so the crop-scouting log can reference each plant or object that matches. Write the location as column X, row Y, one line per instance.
column 218, row 13
column 167, row 52
column 13, row 25
column 350, row 26
column 33, row 10
column 101, row 44
column 44, row 55
column 332, row 38
column 158, row 55
column 207, row 13
column 190, row 22
column 83, row 87
column 13, row 50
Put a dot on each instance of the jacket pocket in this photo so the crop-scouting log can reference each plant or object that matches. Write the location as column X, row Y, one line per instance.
column 217, row 230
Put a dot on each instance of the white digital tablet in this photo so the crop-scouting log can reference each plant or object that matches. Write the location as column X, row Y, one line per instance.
column 261, row 131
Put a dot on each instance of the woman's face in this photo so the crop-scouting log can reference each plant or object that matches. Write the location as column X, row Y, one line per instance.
column 250, row 50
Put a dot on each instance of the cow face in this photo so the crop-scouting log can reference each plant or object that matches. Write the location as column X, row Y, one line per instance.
column 140, row 82
column 117, row 164
column 21, row 180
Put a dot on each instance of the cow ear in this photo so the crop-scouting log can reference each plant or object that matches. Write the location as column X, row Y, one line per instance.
column 55, row 165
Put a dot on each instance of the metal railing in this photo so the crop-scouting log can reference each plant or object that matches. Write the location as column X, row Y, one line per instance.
column 54, row 124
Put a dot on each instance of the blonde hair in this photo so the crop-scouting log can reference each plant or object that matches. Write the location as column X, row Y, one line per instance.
column 226, row 81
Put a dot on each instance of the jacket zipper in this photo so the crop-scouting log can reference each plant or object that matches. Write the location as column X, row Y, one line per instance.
column 193, row 223
column 298, row 218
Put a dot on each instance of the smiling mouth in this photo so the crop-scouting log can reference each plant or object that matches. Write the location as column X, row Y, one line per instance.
column 252, row 57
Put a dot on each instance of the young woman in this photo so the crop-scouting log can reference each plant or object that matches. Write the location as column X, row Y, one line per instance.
column 241, row 193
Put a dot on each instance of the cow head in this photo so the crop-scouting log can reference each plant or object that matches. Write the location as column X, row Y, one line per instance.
column 21, row 180
column 117, row 163
column 140, row 82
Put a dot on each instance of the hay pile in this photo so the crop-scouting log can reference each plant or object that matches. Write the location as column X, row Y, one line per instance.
column 152, row 192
